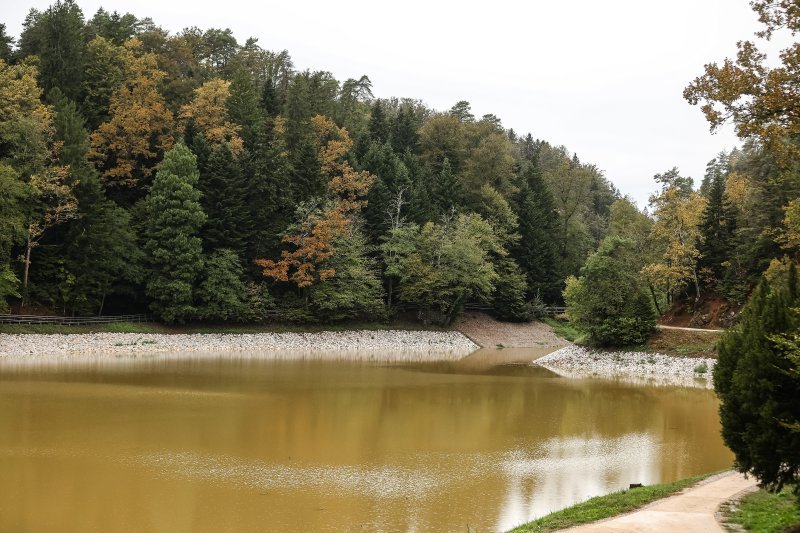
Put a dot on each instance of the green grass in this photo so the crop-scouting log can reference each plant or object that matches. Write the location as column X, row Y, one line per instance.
column 765, row 512
column 683, row 343
column 563, row 329
column 152, row 327
column 605, row 506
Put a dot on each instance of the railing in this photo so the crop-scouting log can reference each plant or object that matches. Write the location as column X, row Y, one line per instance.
column 72, row 320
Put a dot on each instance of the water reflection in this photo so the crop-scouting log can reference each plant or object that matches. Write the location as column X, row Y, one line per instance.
column 242, row 444
column 574, row 470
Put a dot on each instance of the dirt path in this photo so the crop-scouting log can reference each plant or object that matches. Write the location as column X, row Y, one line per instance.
column 701, row 330
column 690, row 511
column 490, row 333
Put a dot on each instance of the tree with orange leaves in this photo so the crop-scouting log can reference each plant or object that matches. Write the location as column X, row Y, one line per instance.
column 311, row 241
column 128, row 146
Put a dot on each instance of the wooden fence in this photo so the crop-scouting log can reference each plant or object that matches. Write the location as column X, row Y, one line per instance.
column 72, row 320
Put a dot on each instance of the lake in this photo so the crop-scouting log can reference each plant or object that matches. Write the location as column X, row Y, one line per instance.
column 243, row 444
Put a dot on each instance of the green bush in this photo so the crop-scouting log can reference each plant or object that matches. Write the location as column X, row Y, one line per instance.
column 607, row 301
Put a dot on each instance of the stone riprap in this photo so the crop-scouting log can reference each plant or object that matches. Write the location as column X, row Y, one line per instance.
column 388, row 345
column 639, row 367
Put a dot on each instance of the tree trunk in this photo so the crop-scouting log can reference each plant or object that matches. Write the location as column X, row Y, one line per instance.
column 102, row 303
column 27, row 269
column 655, row 298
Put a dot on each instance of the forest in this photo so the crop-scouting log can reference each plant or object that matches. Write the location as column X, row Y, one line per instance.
column 192, row 176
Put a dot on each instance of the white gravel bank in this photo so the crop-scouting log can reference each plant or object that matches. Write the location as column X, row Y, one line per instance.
column 639, row 367
column 374, row 345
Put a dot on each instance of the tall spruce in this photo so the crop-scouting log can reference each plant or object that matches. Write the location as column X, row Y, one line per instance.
column 172, row 218
column 224, row 197
column 537, row 249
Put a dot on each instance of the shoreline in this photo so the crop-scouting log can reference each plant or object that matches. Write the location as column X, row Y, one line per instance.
column 386, row 345
column 644, row 368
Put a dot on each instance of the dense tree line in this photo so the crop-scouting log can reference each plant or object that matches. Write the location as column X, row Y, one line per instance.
column 197, row 177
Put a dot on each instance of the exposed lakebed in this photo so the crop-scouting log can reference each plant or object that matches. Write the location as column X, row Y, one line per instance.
column 244, row 444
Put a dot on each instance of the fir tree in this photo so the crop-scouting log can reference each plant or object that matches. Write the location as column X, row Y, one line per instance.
column 269, row 198
column 222, row 294
column 757, row 392
column 172, row 220
column 537, row 250
column 243, row 106
column 378, row 125
column 404, row 131
column 717, row 232
column 445, row 191
column 223, row 200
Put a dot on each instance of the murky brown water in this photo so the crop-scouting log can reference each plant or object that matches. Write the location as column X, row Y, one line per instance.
column 248, row 445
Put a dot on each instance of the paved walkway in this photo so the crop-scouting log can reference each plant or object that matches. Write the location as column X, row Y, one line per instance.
column 691, row 511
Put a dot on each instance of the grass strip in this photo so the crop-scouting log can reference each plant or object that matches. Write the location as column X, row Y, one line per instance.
column 562, row 328
column 606, row 506
column 766, row 512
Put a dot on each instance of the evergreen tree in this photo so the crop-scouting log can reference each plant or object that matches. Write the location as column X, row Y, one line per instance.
column 404, row 131
column 757, row 392
column 537, row 249
column 223, row 199
column 172, row 218
column 445, row 191
column 716, row 231
column 269, row 198
column 61, row 47
column 222, row 295
column 270, row 101
column 99, row 250
column 243, row 106
column 307, row 180
column 6, row 44
column 378, row 124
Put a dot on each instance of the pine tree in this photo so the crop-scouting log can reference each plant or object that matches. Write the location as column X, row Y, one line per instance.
column 404, row 131
column 716, row 231
column 446, row 190
column 378, row 125
column 223, row 199
column 270, row 101
column 172, row 220
column 269, row 199
column 243, row 106
column 757, row 392
column 61, row 48
column 6, row 44
column 222, row 294
column 537, row 249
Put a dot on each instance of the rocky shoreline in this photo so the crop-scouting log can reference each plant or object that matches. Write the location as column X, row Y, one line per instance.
column 386, row 345
column 639, row 367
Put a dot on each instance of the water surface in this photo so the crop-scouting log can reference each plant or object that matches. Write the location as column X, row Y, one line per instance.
column 241, row 444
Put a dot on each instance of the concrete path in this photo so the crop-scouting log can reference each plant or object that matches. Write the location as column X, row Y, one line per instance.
column 691, row 511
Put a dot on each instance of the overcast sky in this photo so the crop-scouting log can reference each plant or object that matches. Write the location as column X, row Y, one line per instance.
column 605, row 79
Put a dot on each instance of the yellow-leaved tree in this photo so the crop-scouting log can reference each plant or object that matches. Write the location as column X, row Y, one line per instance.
column 678, row 211
column 127, row 147
column 208, row 113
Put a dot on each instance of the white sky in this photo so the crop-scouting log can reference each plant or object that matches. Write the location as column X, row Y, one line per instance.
column 603, row 78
